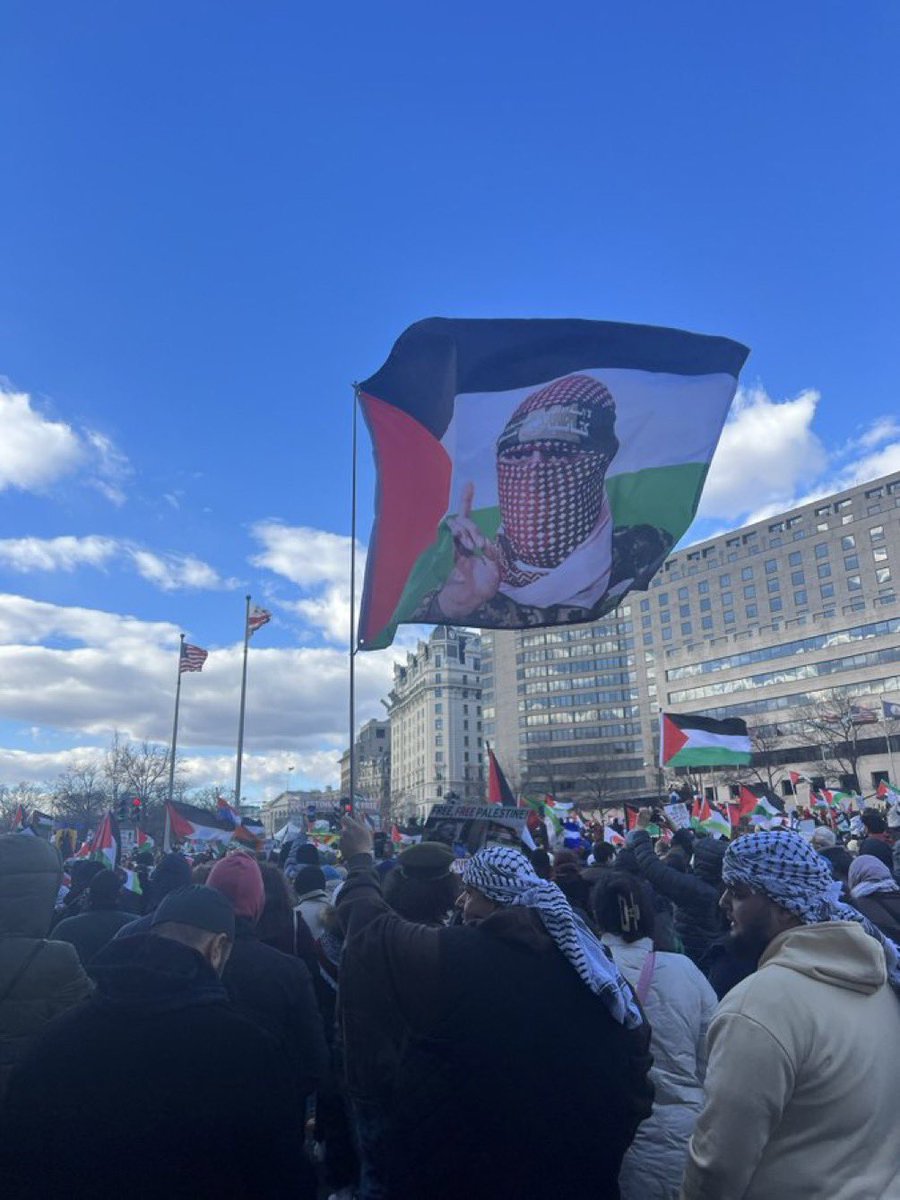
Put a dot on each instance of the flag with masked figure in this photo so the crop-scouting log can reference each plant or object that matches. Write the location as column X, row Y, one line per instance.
column 533, row 472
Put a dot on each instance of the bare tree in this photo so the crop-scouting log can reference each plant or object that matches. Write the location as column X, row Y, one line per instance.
column 145, row 768
column 763, row 768
column 832, row 727
column 81, row 793
column 29, row 795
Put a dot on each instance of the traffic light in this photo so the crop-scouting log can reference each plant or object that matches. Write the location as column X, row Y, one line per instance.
column 347, row 806
column 136, row 806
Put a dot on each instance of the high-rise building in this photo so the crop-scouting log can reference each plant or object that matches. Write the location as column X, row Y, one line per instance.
column 765, row 622
column 373, row 765
column 435, row 716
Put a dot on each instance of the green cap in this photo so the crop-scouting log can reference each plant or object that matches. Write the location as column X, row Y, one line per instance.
column 426, row 860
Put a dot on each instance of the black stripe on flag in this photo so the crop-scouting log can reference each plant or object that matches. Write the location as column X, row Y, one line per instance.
column 437, row 359
column 730, row 727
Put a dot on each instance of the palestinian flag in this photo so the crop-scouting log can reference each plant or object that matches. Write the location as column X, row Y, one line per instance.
column 144, row 841
column 132, row 882
column 611, row 837
column 713, row 822
column 689, row 741
column 743, row 806
column 888, row 793
column 533, row 472
column 499, row 791
column 18, row 821
column 187, row 823
column 104, row 846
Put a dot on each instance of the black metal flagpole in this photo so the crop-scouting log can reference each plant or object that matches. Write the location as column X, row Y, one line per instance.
column 352, row 797
column 240, row 745
column 175, row 722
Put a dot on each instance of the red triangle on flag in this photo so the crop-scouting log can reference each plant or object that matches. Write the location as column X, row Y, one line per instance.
column 673, row 739
column 499, row 791
column 630, row 817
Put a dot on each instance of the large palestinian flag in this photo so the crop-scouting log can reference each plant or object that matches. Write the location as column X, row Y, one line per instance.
column 533, row 472
column 688, row 741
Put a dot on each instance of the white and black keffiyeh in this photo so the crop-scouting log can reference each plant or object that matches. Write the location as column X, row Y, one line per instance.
column 507, row 877
column 785, row 867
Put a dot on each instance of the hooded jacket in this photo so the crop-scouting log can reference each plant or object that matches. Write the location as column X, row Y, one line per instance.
column 214, row 1114
column 679, row 1006
column 447, row 1029
column 38, row 978
column 698, row 919
column 801, row 1082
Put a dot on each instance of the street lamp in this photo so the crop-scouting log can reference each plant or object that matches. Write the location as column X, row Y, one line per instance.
column 287, row 779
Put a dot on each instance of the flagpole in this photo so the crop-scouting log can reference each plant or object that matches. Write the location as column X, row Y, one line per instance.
column 175, row 722
column 352, row 797
column 887, row 738
column 240, row 745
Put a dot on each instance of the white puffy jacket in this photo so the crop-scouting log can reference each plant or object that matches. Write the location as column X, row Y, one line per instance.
column 679, row 1006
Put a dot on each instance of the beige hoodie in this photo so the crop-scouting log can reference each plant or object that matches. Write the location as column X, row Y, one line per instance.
column 803, row 1081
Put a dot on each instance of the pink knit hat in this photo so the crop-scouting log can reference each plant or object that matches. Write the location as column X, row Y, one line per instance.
column 239, row 878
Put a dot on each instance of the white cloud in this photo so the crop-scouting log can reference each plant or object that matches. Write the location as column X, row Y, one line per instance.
column 56, row 554
column 169, row 571
column 174, row 572
column 85, row 672
column 318, row 562
column 767, row 450
column 882, row 429
column 35, row 450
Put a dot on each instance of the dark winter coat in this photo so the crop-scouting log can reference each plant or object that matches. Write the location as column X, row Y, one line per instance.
column 883, row 910
column 90, row 931
column 725, row 964
column 502, row 1059
column 698, row 918
column 38, row 978
column 166, row 1090
column 275, row 990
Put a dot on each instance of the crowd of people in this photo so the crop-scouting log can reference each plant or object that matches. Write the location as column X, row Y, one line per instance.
column 686, row 1017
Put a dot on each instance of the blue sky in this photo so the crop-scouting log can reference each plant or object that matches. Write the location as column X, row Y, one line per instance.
column 215, row 217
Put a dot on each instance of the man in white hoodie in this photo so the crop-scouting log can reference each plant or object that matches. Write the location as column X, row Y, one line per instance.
column 803, row 1080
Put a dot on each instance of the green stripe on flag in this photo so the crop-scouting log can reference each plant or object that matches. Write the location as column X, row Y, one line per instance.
column 708, row 756
column 666, row 497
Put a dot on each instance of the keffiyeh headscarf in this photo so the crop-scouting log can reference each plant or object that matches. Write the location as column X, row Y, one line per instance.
column 784, row 867
column 507, row 877
column 868, row 876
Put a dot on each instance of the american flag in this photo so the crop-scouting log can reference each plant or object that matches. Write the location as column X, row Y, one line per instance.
column 258, row 617
column 192, row 658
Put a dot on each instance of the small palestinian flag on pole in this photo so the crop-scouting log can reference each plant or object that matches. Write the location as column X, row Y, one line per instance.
column 144, row 841
column 691, row 741
column 533, row 472
column 743, row 806
column 888, row 793
column 499, row 791
column 106, row 842
column 713, row 822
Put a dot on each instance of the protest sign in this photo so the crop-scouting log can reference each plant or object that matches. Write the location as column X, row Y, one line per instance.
column 471, row 826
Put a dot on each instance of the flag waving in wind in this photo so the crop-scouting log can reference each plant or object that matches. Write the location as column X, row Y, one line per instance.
column 499, row 791
column 533, row 472
column 257, row 618
column 192, row 658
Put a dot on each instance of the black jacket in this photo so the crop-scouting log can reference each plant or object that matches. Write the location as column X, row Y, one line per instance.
column 91, row 930
column 503, row 1063
column 698, row 918
column 883, row 910
column 162, row 1091
column 275, row 991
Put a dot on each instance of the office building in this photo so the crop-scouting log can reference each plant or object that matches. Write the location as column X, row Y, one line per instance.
column 765, row 623
column 435, row 717
column 373, row 766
